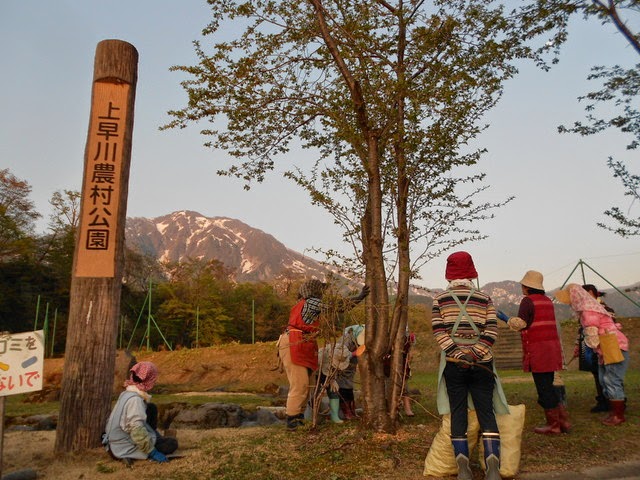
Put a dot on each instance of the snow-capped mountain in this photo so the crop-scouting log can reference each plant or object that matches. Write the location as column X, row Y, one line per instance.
column 251, row 254
column 254, row 255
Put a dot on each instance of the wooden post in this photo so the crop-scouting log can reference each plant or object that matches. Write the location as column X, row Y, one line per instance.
column 96, row 281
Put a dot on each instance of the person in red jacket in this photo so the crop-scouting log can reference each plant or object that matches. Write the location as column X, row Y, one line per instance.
column 298, row 348
column 541, row 350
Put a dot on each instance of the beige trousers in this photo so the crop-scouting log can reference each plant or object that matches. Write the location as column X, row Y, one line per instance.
column 298, row 379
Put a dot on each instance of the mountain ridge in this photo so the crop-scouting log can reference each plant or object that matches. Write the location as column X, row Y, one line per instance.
column 251, row 254
column 254, row 255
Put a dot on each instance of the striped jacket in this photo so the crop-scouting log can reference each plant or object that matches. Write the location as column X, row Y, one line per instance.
column 480, row 310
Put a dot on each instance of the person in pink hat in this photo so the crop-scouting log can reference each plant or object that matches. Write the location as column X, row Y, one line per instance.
column 465, row 327
column 130, row 433
column 599, row 326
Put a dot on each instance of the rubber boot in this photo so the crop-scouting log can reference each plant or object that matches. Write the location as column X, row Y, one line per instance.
column 616, row 415
column 294, row 421
column 565, row 426
column 334, row 410
column 344, row 410
column 347, row 412
column 491, row 444
column 352, row 407
column 601, row 405
column 461, row 452
column 406, row 402
column 553, row 422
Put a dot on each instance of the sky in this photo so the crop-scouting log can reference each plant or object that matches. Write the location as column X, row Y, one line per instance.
column 561, row 183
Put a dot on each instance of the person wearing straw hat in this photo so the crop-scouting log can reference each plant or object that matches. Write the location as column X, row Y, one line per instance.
column 541, row 350
column 603, row 334
column 465, row 327
column 587, row 356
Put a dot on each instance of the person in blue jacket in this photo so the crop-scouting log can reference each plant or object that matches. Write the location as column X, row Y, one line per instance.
column 131, row 432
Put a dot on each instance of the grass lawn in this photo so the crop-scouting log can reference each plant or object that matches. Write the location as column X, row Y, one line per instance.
column 330, row 452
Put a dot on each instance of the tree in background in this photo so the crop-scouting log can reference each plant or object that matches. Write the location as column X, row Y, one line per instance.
column 192, row 302
column 257, row 304
column 19, row 276
column 55, row 257
column 17, row 217
column 619, row 92
column 387, row 95
column 58, row 244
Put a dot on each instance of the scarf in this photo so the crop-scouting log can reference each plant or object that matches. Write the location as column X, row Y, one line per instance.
column 146, row 372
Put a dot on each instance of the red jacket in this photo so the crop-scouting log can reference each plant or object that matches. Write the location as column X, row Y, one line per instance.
column 302, row 341
column 541, row 347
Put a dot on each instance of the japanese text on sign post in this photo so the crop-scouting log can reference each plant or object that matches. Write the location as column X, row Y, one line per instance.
column 102, row 181
column 21, row 362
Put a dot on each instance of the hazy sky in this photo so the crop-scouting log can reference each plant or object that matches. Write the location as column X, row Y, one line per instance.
column 561, row 182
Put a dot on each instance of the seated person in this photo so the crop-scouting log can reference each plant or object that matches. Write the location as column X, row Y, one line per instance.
column 131, row 429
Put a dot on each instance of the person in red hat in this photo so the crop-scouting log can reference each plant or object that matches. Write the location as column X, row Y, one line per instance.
column 465, row 327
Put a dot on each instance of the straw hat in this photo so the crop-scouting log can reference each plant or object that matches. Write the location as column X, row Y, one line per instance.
column 563, row 296
column 532, row 279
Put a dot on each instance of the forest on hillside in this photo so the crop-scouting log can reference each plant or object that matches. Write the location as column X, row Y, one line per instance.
column 163, row 305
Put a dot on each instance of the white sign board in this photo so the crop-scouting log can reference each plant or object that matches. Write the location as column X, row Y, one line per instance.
column 21, row 362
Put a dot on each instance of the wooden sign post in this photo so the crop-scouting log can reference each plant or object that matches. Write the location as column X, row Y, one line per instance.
column 96, row 280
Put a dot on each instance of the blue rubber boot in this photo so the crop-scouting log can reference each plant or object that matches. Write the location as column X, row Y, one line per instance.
column 491, row 444
column 461, row 452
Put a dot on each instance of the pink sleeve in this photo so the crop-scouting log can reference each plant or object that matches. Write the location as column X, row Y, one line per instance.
column 589, row 319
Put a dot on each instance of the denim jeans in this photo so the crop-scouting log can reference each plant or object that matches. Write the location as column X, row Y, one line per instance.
column 474, row 381
column 612, row 378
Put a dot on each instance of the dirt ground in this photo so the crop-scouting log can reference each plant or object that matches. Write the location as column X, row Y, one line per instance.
column 232, row 368
column 227, row 368
column 34, row 451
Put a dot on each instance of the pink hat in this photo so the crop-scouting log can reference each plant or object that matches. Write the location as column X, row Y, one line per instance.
column 460, row 266
column 144, row 376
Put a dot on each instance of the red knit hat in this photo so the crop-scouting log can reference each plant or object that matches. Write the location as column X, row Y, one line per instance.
column 460, row 266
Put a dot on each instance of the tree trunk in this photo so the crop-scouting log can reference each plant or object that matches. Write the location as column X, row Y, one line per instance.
column 374, row 382
column 401, row 306
column 96, row 282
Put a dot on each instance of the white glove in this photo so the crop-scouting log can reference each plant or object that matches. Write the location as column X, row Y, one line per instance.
column 516, row 324
column 592, row 341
